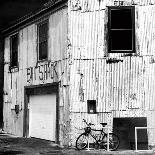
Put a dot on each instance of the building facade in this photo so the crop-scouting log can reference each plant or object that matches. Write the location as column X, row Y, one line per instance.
column 1, row 79
column 76, row 59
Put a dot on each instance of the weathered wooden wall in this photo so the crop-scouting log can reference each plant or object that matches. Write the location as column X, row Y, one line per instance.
column 30, row 72
column 122, row 84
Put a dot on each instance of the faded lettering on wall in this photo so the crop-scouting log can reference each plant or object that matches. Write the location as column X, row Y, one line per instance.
column 42, row 72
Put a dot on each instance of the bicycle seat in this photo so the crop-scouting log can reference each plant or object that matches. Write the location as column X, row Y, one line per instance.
column 103, row 124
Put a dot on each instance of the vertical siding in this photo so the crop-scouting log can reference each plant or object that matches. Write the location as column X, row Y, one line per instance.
column 145, row 21
column 122, row 85
column 27, row 47
column 58, row 35
column 14, row 82
column 85, row 28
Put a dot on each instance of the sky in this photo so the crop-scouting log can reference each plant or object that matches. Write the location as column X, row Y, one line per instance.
column 11, row 10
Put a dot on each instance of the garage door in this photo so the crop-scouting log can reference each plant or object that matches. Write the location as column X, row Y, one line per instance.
column 42, row 123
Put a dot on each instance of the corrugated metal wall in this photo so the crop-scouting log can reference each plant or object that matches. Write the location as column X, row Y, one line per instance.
column 122, row 84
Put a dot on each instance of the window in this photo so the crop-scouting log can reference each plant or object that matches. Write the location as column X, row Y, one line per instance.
column 14, row 51
column 43, row 41
column 121, row 30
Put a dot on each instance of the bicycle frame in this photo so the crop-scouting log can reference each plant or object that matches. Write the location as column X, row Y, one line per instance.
column 94, row 137
column 97, row 139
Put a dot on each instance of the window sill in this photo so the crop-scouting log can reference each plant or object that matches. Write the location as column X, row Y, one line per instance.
column 92, row 112
column 42, row 61
column 121, row 54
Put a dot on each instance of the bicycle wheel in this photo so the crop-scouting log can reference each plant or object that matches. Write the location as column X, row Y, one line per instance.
column 113, row 142
column 82, row 141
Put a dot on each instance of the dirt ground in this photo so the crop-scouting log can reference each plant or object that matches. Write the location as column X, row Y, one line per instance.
column 11, row 145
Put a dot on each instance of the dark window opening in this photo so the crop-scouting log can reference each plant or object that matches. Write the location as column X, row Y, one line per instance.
column 124, row 128
column 124, row 42
column 14, row 51
column 121, row 18
column 91, row 106
column 43, row 41
column 121, row 30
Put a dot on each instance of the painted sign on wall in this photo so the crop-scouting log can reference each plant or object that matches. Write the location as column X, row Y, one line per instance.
column 42, row 72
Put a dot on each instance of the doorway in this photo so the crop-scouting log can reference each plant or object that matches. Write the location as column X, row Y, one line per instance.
column 42, row 119
column 41, row 112
column 125, row 129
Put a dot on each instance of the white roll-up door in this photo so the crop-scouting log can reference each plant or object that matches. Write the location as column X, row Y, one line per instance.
column 42, row 123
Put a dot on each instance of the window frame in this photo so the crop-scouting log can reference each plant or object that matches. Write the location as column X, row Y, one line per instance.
column 133, row 50
column 11, row 51
column 38, row 42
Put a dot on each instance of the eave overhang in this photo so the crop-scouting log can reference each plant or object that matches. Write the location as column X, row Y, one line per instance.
column 46, row 10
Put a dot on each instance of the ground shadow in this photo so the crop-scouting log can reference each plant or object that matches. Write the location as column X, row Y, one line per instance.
column 10, row 152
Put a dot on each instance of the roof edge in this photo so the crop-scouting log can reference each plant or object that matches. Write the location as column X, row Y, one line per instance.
column 27, row 18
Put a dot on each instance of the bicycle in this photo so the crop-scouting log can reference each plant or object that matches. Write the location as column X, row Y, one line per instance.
column 100, row 139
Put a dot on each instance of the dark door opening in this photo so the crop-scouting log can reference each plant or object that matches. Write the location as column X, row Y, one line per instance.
column 125, row 129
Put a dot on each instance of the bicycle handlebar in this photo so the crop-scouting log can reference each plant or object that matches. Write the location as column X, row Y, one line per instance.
column 89, row 124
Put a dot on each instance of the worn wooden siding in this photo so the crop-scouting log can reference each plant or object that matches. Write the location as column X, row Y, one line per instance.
column 57, row 41
column 122, row 85
column 58, row 35
column 12, row 96
column 15, row 81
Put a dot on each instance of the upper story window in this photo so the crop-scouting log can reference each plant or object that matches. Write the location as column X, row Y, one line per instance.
column 121, row 30
column 14, row 51
column 43, row 41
